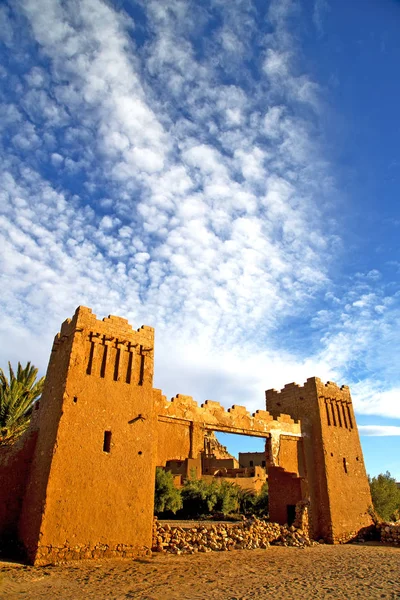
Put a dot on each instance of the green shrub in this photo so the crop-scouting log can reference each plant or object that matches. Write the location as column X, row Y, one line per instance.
column 199, row 497
column 247, row 501
column 227, row 498
column 166, row 497
column 261, row 506
column 385, row 496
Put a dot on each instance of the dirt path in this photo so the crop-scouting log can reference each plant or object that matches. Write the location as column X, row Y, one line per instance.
column 353, row 571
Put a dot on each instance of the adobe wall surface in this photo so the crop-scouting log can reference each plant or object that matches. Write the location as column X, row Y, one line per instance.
column 347, row 482
column 339, row 501
column 47, row 420
column 255, row 458
column 95, row 500
column 173, row 442
column 15, row 461
column 287, row 491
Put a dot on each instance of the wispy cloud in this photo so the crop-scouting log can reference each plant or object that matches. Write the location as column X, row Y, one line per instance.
column 148, row 171
column 379, row 430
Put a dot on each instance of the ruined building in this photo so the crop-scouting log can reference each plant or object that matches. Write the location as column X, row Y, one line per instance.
column 80, row 482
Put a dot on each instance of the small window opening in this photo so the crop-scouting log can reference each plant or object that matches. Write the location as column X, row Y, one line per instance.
column 37, row 405
column 251, row 463
column 331, row 453
column 75, row 399
column 140, row 454
column 263, row 463
column 107, row 441
column 345, row 465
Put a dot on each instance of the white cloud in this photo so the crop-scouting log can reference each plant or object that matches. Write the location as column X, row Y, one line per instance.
column 379, row 430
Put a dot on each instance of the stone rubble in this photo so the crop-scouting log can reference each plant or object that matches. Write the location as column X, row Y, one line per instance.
column 390, row 533
column 249, row 534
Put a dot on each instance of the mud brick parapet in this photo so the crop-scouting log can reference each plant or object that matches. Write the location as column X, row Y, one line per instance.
column 212, row 415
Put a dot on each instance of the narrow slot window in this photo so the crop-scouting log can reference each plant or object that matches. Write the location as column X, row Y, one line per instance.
column 345, row 465
column 107, row 442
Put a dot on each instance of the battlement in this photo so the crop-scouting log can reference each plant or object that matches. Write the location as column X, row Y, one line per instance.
column 212, row 415
column 312, row 383
column 109, row 348
column 85, row 318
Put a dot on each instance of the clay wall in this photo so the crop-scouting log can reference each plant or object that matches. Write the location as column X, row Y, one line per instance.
column 188, row 468
column 252, row 459
column 173, row 442
column 211, row 464
column 291, row 455
column 97, row 436
column 47, row 419
column 15, row 461
column 344, row 465
column 284, row 490
column 253, row 483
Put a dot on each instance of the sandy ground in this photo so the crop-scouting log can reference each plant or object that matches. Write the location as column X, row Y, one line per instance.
column 352, row 571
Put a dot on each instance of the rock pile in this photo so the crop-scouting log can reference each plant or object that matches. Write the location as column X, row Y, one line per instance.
column 390, row 533
column 207, row 537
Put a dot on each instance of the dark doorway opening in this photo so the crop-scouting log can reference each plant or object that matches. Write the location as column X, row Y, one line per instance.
column 291, row 513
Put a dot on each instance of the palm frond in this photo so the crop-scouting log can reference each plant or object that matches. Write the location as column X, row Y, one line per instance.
column 18, row 393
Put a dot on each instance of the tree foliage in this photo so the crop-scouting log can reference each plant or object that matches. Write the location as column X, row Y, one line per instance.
column 199, row 497
column 166, row 498
column 385, row 496
column 18, row 393
column 228, row 494
column 261, row 506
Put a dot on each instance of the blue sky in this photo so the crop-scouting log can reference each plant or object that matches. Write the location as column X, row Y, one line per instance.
column 227, row 172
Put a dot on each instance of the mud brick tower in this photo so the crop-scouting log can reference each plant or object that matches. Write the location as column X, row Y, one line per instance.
column 91, row 482
column 334, row 474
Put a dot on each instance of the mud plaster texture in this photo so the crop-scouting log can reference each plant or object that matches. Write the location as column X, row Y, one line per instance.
column 80, row 484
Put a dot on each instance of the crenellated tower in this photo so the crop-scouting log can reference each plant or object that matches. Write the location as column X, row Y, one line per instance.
column 92, row 472
column 337, row 483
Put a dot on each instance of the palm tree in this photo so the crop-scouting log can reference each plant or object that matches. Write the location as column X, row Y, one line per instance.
column 17, row 397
